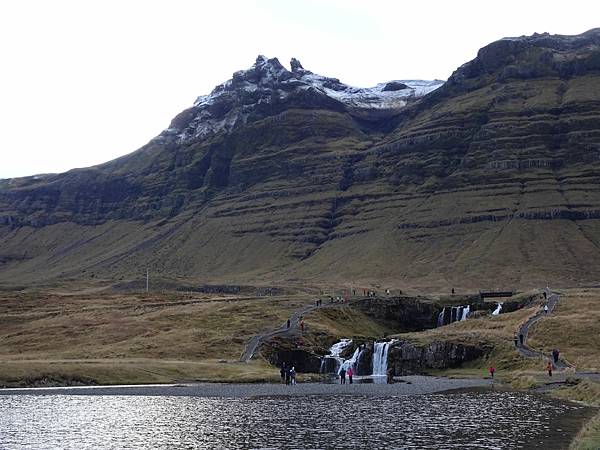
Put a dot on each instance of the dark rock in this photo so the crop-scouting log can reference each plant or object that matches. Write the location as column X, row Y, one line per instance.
column 408, row 359
column 295, row 65
column 395, row 86
column 329, row 365
column 364, row 363
column 304, row 361
column 401, row 313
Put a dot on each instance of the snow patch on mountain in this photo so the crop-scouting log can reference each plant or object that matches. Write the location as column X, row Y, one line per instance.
column 268, row 82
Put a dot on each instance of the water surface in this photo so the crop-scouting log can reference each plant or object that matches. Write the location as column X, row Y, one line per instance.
column 471, row 420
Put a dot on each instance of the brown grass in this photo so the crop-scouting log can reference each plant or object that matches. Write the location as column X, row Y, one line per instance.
column 115, row 338
column 574, row 328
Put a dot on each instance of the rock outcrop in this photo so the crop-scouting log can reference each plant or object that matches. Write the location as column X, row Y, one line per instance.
column 406, row 358
column 402, row 314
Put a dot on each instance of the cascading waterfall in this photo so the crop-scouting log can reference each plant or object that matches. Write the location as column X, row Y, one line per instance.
column 498, row 310
column 380, row 353
column 466, row 312
column 453, row 314
column 351, row 362
column 333, row 362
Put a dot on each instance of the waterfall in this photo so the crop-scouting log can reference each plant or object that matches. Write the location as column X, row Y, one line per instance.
column 453, row 314
column 380, row 353
column 466, row 312
column 497, row 310
column 333, row 362
column 350, row 362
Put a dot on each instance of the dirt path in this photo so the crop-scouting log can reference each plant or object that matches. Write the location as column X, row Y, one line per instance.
column 523, row 330
column 253, row 344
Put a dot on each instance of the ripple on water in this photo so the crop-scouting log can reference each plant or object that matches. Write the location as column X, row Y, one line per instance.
column 470, row 420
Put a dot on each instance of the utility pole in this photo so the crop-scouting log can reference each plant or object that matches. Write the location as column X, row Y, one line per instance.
column 147, row 279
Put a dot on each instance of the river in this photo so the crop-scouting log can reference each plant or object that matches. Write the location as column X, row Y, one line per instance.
column 471, row 419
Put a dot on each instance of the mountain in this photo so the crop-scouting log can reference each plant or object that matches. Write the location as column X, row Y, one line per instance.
column 488, row 180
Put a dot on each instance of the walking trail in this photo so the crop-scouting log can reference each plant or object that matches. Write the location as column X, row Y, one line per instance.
column 528, row 352
column 523, row 330
column 253, row 344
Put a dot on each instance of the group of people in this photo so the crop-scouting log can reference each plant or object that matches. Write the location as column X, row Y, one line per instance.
column 519, row 339
column 288, row 374
column 343, row 372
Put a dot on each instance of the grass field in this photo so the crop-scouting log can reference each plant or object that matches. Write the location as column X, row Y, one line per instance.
column 134, row 338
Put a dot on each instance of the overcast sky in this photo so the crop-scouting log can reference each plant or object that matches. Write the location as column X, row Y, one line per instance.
column 83, row 82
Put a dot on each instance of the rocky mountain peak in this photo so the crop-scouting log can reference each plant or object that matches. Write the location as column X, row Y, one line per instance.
column 296, row 66
column 267, row 88
column 527, row 57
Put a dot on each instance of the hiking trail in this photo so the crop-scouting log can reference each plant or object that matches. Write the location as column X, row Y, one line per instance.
column 523, row 330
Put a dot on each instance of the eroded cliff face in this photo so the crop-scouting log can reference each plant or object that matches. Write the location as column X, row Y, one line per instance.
column 285, row 174
column 406, row 358
column 402, row 314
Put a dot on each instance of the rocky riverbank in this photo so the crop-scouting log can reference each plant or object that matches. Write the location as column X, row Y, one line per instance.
column 411, row 385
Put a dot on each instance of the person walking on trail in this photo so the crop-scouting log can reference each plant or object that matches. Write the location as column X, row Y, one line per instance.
column 549, row 368
column 545, row 309
column 492, row 371
column 521, row 338
column 555, row 354
column 293, row 376
column 350, row 373
column 287, row 375
column 342, row 376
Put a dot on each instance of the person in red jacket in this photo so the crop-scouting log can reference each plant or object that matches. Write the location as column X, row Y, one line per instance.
column 350, row 372
column 492, row 370
column 549, row 368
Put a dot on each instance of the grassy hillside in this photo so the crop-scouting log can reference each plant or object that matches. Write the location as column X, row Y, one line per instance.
column 118, row 338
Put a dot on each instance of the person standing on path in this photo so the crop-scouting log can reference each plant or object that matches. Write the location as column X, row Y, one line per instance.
column 521, row 337
column 342, row 376
column 293, row 376
column 545, row 309
column 350, row 373
column 492, row 370
column 282, row 373
column 549, row 368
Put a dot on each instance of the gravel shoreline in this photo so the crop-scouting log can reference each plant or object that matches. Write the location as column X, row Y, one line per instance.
column 408, row 385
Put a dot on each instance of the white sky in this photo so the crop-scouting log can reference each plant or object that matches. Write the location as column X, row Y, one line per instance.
column 83, row 81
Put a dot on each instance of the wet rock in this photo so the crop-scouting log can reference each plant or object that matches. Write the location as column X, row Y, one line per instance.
column 364, row 363
column 303, row 360
column 408, row 359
